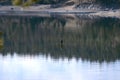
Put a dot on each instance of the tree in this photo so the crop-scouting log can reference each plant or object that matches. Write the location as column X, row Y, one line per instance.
column 17, row 2
column 24, row 2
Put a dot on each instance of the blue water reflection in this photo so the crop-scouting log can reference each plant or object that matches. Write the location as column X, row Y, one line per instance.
column 40, row 68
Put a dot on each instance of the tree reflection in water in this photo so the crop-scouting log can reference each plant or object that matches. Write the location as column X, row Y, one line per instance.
column 92, row 39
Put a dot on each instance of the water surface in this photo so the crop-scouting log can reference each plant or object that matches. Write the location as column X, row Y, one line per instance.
column 59, row 48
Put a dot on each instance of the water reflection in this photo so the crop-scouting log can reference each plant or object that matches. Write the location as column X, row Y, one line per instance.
column 91, row 39
column 1, row 41
column 40, row 68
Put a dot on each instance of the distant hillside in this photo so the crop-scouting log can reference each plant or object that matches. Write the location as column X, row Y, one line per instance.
column 101, row 4
column 114, row 4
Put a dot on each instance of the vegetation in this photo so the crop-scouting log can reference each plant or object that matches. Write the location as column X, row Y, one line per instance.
column 104, row 3
column 24, row 2
column 30, row 2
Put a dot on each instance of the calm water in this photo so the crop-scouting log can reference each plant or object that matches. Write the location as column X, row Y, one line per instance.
column 59, row 48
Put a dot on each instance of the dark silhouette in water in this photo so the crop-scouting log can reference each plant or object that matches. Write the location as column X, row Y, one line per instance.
column 90, row 39
column 61, row 43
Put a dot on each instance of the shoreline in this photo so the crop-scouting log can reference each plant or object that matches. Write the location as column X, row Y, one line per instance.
column 35, row 10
